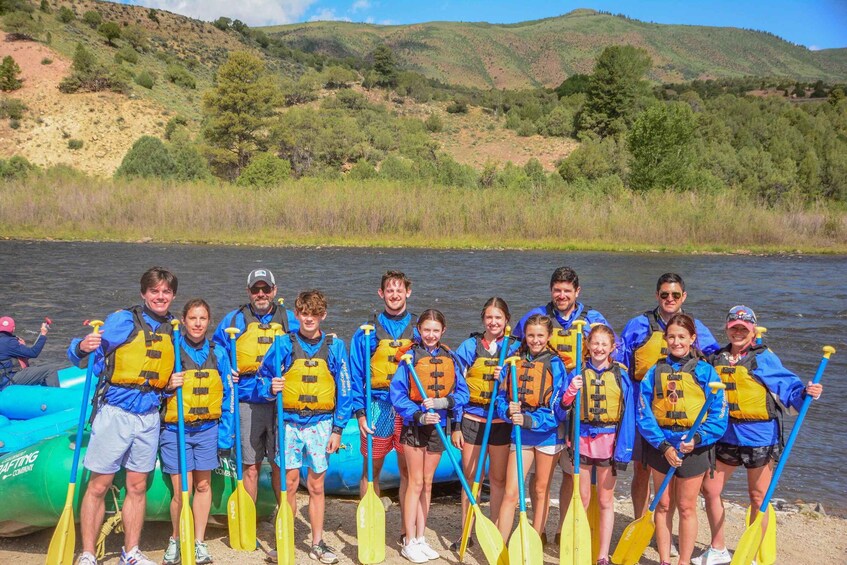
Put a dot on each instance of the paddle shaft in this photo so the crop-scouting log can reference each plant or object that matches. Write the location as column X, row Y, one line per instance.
column 369, row 406
column 89, row 376
column 236, row 412
column 442, row 435
column 183, row 474
column 483, row 450
column 795, row 430
column 280, row 419
column 518, row 443
column 577, row 403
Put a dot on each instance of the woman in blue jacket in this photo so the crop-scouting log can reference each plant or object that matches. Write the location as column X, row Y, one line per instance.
column 607, row 426
column 758, row 390
column 671, row 395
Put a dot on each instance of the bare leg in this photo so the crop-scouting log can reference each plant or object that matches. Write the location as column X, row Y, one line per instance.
column 545, row 465
column 292, row 481
column 93, row 509
column 663, row 533
column 176, row 505
column 132, row 512
column 640, row 489
column 712, row 489
column 606, row 500
column 315, row 484
column 686, row 492
column 497, row 477
column 470, row 459
column 202, row 503
column 510, row 493
column 414, row 488
column 430, row 463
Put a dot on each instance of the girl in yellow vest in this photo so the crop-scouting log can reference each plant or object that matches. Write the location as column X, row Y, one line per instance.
column 607, row 426
column 671, row 395
column 206, row 396
column 435, row 366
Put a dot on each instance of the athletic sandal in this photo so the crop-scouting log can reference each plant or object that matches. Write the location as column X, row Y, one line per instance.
column 603, row 561
column 427, row 550
column 201, row 553
column 414, row 553
column 86, row 559
column 171, row 556
column 713, row 556
column 323, row 553
column 135, row 557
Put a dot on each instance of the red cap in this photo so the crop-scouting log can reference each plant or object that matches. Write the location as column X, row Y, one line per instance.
column 7, row 324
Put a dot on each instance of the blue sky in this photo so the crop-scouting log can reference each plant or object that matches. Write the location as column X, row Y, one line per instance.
column 817, row 24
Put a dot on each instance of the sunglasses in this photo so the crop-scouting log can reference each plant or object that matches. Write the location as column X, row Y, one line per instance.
column 664, row 295
column 262, row 289
column 672, row 394
column 743, row 316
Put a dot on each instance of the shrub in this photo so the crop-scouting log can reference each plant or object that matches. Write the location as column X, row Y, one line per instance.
column 526, row 128
column 189, row 164
column 180, row 76
column 126, row 53
column 11, row 108
column 65, row 15
column 148, row 157
column 265, row 170
column 144, row 79
column 110, row 30
column 458, row 107
column 363, row 170
column 14, row 123
column 92, row 18
column 21, row 26
column 434, row 123
column 74, row 144
column 397, row 168
column 9, row 71
column 173, row 124
column 16, row 167
column 46, row 61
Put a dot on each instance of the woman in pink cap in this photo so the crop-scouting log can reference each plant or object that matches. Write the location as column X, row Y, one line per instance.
column 15, row 355
column 759, row 390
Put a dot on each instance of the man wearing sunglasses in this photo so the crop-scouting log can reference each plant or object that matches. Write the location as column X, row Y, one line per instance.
column 643, row 345
column 253, row 341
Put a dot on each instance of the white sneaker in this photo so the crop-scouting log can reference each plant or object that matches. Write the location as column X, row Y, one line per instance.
column 675, row 551
column 414, row 553
column 426, row 549
column 135, row 557
column 86, row 559
column 713, row 556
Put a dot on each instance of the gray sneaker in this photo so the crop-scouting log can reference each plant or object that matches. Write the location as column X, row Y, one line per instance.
column 201, row 553
column 323, row 553
column 171, row 556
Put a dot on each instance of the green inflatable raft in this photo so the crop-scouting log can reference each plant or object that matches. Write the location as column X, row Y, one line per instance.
column 34, row 483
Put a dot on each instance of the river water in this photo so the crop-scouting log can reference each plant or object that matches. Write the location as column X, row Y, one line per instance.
column 802, row 300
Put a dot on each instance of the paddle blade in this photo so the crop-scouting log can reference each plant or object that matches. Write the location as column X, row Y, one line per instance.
column 748, row 545
column 467, row 525
column 767, row 550
column 186, row 532
column 241, row 520
column 594, row 523
column 61, row 550
column 575, row 540
column 634, row 540
column 489, row 539
column 284, row 531
column 370, row 528
column 525, row 544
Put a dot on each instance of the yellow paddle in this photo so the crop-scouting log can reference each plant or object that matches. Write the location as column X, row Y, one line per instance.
column 240, row 508
column 370, row 514
column 594, row 517
column 751, row 539
column 487, row 533
column 62, row 544
column 525, row 545
column 575, row 540
column 480, row 465
column 637, row 535
column 284, row 523
column 186, row 516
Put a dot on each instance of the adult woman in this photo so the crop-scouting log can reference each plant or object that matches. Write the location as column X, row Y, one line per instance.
column 671, row 395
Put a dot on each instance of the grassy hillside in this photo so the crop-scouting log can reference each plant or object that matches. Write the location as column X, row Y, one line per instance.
column 545, row 52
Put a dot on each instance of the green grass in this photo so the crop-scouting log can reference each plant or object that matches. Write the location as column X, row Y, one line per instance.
column 386, row 214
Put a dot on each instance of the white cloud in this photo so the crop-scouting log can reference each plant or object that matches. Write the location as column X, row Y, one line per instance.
column 814, row 48
column 328, row 15
column 251, row 12
column 359, row 5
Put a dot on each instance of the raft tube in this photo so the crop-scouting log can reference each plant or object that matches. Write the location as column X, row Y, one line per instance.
column 34, row 484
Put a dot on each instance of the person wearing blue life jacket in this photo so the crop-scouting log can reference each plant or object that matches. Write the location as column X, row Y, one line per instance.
column 436, row 367
column 257, row 413
column 607, row 426
column 134, row 358
column 479, row 366
column 564, row 309
column 15, row 355
column 671, row 395
column 541, row 375
column 207, row 400
column 394, row 328
column 643, row 345
column 317, row 397
column 759, row 390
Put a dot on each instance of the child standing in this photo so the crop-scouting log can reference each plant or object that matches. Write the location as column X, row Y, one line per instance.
column 316, row 395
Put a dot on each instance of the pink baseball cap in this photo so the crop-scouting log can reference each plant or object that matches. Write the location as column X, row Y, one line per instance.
column 7, row 324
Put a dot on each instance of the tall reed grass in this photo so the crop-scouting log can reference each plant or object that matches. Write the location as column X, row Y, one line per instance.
column 381, row 213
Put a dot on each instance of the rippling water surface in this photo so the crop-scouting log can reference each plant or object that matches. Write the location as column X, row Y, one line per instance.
column 801, row 300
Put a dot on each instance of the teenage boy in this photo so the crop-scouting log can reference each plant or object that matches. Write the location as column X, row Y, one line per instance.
column 564, row 310
column 393, row 329
column 256, row 412
column 643, row 346
column 315, row 386
column 134, row 356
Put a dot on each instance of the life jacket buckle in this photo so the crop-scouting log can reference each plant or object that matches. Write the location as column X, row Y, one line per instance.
column 309, row 378
column 310, row 363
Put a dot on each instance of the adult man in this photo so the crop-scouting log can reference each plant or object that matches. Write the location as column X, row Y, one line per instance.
column 15, row 354
column 256, row 337
column 134, row 356
column 564, row 310
column 393, row 329
column 643, row 345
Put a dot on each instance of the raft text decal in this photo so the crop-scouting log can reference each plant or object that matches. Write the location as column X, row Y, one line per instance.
column 18, row 465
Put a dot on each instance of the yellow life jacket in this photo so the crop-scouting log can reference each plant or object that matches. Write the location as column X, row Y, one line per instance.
column 437, row 373
column 535, row 381
column 309, row 384
column 146, row 359
column 257, row 338
column 651, row 351
column 383, row 362
column 603, row 401
column 688, row 393
column 202, row 391
column 563, row 341
column 748, row 399
column 480, row 375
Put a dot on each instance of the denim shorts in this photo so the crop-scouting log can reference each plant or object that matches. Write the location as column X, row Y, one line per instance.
column 122, row 439
column 201, row 450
